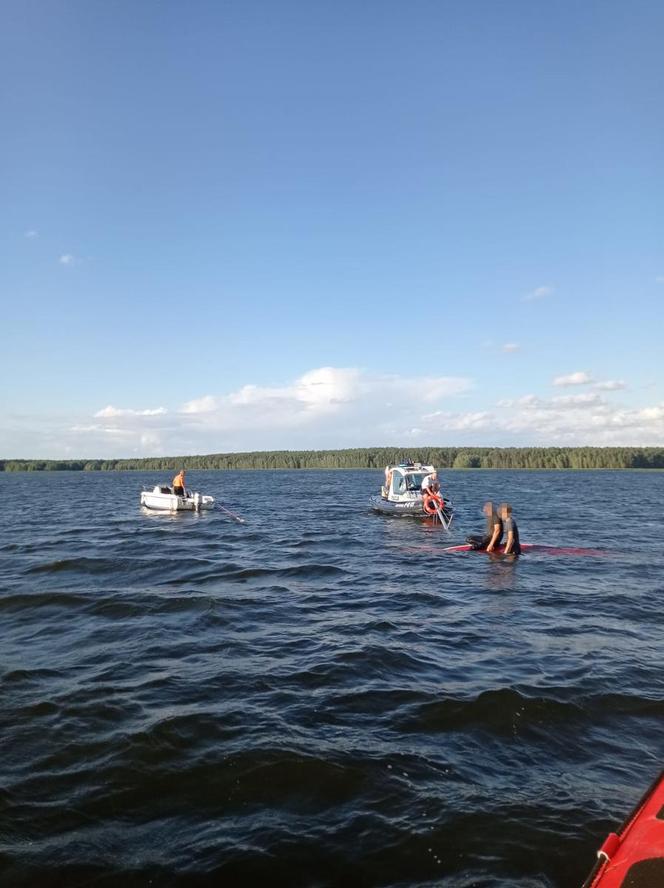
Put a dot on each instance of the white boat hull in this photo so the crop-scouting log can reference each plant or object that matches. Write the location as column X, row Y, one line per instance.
column 163, row 501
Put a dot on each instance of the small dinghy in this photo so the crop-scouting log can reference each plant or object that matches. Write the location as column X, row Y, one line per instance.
column 163, row 499
column 633, row 857
column 402, row 495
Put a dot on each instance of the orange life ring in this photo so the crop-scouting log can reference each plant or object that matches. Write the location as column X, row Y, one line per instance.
column 432, row 502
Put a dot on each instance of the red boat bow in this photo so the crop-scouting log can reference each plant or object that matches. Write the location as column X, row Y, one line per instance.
column 634, row 856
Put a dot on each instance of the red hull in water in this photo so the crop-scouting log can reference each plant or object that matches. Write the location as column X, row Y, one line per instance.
column 525, row 547
column 633, row 857
column 533, row 547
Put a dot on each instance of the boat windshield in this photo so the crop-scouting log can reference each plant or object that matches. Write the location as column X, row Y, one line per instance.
column 414, row 480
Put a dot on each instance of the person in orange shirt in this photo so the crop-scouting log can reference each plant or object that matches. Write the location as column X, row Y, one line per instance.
column 388, row 480
column 178, row 483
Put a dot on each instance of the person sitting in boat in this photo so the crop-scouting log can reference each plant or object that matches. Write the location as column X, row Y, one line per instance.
column 431, row 484
column 493, row 533
column 512, row 543
column 179, row 483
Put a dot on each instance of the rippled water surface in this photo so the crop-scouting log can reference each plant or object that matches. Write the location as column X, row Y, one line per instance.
column 322, row 696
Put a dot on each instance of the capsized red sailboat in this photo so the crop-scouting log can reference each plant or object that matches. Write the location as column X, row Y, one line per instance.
column 633, row 857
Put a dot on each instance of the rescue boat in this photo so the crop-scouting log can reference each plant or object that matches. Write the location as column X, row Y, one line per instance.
column 164, row 499
column 633, row 857
column 401, row 495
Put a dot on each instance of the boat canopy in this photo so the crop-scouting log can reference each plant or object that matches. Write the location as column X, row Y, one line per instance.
column 405, row 479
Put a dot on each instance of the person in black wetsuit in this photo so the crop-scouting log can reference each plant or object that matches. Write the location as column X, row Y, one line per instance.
column 493, row 533
column 512, row 543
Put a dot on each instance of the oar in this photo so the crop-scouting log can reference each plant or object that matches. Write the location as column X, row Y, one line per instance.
column 439, row 512
column 232, row 514
column 441, row 517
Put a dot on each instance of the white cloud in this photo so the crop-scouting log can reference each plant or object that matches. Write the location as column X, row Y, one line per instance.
column 206, row 404
column 576, row 401
column 576, row 420
column 660, row 279
column 572, row 420
column 528, row 401
column 511, row 347
column 610, row 385
column 539, row 293
column 445, row 421
column 105, row 430
column 525, row 401
column 319, row 395
column 320, row 390
column 578, row 378
column 32, row 233
column 66, row 259
column 329, row 386
column 151, row 442
column 111, row 412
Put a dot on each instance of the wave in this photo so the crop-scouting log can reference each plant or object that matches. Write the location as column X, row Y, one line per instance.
column 29, row 676
column 83, row 564
column 237, row 573
column 505, row 710
column 34, row 600
column 313, row 700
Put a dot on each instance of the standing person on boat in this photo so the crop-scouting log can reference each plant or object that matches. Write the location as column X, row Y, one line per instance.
column 512, row 543
column 493, row 533
column 179, row 483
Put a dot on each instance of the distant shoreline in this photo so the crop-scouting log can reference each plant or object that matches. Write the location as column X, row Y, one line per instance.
column 62, row 471
column 535, row 458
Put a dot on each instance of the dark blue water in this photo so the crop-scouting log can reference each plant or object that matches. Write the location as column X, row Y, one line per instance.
column 322, row 697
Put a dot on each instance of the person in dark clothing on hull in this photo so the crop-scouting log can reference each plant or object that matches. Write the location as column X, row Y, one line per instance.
column 512, row 543
column 493, row 533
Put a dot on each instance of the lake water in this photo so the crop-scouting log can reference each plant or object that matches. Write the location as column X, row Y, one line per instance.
column 322, row 696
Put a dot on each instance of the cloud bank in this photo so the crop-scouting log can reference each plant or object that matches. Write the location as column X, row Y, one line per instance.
column 330, row 407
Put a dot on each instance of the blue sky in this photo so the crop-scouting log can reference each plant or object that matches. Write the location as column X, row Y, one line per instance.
column 245, row 225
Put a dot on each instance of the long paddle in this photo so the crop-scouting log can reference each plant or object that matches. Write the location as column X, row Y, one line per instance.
column 439, row 511
column 441, row 517
column 232, row 514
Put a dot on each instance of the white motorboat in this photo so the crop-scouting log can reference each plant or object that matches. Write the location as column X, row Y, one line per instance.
column 402, row 494
column 162, row 498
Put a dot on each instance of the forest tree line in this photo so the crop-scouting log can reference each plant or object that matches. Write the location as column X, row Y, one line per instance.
column 370, row 458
